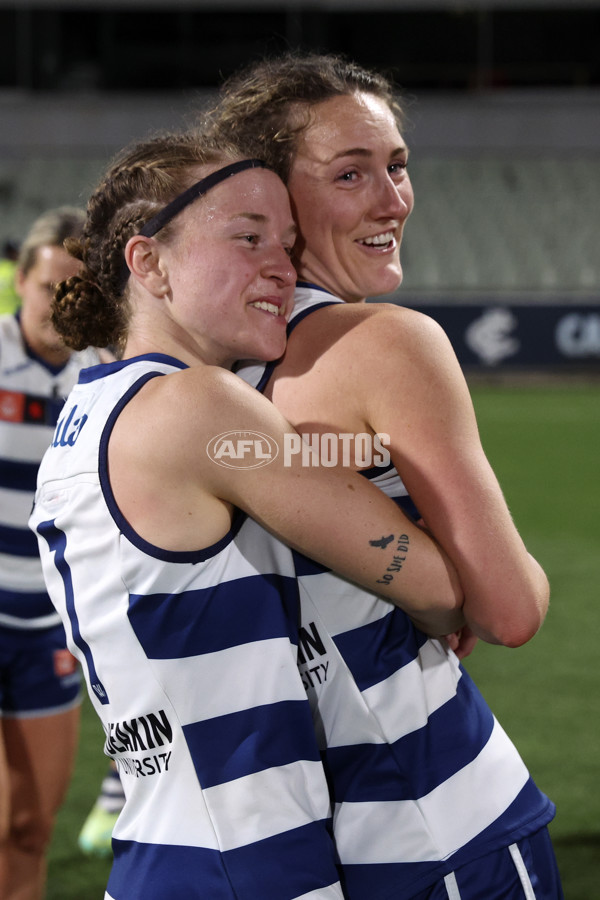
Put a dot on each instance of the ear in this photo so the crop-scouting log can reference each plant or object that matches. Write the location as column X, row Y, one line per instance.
column 146, row 264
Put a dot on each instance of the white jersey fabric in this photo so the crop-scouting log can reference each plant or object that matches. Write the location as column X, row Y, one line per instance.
column 32, row 394
column 423, row 777
column 191, row 664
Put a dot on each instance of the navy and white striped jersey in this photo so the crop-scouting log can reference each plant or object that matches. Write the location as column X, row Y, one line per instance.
column 422, row 776
column 32, row 394
column 191, row 664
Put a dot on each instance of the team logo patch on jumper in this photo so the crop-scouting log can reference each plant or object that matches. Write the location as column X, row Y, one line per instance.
column 64, row 663
column 29, row 408
column 12, row 406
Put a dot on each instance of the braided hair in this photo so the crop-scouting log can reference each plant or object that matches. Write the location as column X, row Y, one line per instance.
column 92, row 307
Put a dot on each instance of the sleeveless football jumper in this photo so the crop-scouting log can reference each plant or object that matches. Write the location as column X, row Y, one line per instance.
column 191, row 664
column 423, row 777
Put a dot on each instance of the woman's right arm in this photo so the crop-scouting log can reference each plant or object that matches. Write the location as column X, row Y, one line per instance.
column 334, row 516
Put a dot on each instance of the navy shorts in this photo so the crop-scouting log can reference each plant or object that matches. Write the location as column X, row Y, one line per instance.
column 526, row 870
column 38, row 675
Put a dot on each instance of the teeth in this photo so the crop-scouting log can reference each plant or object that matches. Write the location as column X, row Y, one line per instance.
column 268, row 307
column 377, row 239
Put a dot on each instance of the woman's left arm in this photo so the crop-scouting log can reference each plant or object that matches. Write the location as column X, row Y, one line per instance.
column 415, row 392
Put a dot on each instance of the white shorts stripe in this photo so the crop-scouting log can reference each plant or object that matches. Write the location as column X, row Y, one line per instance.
column 452, row 887
column 522, row 871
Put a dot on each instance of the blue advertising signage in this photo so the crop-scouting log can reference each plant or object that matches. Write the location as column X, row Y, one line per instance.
column 520, row 336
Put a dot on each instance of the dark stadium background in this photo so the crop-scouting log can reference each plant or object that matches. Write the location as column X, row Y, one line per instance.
column 503, row 103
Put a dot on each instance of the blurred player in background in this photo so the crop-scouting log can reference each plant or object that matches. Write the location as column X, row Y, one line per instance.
column 39, row 679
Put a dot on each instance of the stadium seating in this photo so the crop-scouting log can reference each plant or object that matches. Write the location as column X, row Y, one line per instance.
column 524, row 224
column 480, row 223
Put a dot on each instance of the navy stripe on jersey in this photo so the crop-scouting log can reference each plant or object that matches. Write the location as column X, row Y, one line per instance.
column 376, row 650
column 376, row 772
column 25, row 606
column 57, row 543
column 373, row 881
column 190, row 622
column 269, row 869
column 17, row 475
column 168, row 872
column 18, row 542
column 306, row 566
column 231, row 746
column 95, row 373
column 263, row 870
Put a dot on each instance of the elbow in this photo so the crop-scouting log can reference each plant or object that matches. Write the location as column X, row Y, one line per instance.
column 519, row 622
column 519, row 632
column 511, row 633
column 531, row 609
column 529, row 622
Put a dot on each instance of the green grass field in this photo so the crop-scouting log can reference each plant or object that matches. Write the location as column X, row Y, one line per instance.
column 543, row 443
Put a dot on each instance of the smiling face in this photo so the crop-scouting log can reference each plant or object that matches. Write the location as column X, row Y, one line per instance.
column 230, row 277
column 351, row 195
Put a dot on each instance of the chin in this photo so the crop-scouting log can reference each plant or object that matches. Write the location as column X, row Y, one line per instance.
column 392, row 282
column 383, row 282
column 387, row 286
column 271, row 353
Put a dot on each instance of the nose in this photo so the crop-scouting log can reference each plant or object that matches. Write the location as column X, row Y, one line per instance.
column 393, row 199
column 279, row 266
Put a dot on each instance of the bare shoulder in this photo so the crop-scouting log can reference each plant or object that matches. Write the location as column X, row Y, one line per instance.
column 386, row 321
column 194, row 402
column 389, row 325
column 159, row 460
column 376, row 334
column 162, row 478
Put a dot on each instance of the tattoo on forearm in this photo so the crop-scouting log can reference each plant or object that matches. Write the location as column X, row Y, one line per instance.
column 382, row 542
column 398, row 559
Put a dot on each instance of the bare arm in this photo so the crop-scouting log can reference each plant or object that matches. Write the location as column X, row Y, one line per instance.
column 423, row 403
column 333, row 516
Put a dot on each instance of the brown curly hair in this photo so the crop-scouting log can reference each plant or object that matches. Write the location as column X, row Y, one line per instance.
column 92, row 308
column 268, row 104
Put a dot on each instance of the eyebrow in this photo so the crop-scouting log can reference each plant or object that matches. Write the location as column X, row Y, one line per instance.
column 362, row 151
column 255, row 217
column 261, row 219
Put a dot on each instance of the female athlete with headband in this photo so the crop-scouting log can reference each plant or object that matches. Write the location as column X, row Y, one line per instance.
column 180, row 604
